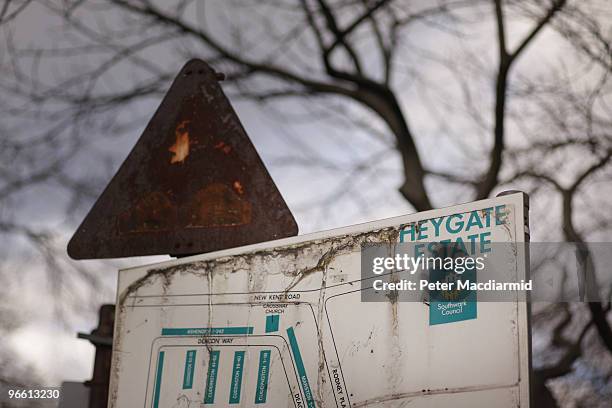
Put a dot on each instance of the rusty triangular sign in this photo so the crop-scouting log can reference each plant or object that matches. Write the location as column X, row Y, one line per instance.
column 193, row 183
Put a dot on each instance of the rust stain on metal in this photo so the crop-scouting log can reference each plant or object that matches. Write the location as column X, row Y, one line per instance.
column 153, row 212
column 218, row 205
column 238, row 187
column 180, row 148
column 193, row 183
column 225, row 148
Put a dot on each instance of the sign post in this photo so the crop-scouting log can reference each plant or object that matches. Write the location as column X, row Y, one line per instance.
column 193, row 183
column 288, row 323
column 304, row 322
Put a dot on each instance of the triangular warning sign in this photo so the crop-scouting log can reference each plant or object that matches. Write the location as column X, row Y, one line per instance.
column 193, row 183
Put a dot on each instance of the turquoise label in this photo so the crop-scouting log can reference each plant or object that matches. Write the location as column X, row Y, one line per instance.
column 189, row 367
column 301, row 369
column 272, row 322
column 206, row 331
column 158, row 379
column 236, row 377
column 448, row 312
column 447, row 306
column 211, row 378
column 262, row 377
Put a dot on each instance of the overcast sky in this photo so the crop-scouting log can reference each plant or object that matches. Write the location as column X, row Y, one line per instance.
column 53, row 349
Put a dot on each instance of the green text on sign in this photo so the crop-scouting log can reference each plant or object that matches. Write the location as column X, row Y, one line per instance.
column 262, row 376
column 206, row 331
column 189, row 368
column 300, row 367
column 158, row 379
column 211, row 378
column 236, row 377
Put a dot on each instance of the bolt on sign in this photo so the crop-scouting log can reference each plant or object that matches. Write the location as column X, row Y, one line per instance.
column 193, row 183
column 284, row 324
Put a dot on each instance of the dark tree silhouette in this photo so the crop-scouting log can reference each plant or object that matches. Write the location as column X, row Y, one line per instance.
column 541, row 125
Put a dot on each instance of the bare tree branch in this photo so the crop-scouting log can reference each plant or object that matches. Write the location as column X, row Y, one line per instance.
column 506, row 59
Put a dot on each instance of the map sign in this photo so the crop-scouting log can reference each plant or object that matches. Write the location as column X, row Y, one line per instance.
column 284, row 324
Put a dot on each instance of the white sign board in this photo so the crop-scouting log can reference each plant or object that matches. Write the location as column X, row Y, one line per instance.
column 283, row 324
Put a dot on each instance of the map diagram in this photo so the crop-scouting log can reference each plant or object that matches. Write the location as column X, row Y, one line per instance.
column 283, row 324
